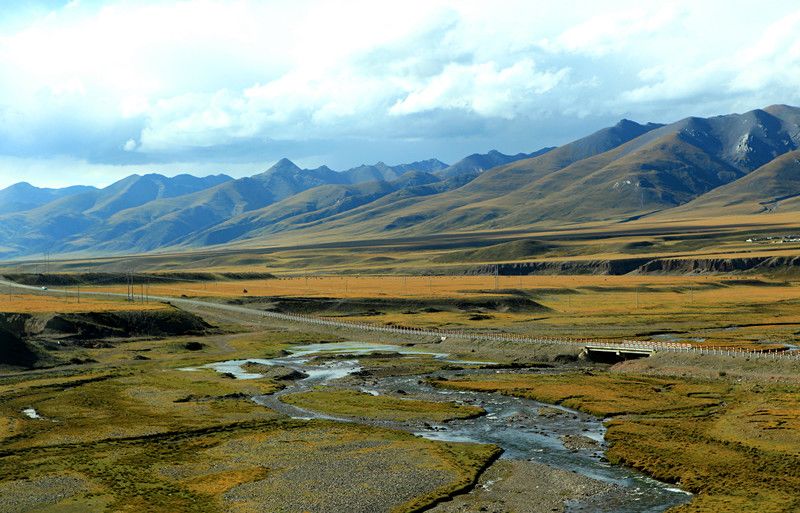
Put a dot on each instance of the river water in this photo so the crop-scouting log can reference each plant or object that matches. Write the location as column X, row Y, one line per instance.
column 525, row 429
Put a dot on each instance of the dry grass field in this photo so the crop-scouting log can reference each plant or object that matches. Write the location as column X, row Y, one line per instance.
column 718, row 310
column 659, row 236
column 38, row 303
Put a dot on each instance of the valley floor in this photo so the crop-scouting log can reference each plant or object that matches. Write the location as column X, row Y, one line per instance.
column 117, row 423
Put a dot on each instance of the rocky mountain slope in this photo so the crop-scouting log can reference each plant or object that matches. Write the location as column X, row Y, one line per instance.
column 735, row 163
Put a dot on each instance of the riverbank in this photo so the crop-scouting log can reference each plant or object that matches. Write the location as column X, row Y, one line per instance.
column 348, row 383
column 733, row 444
column 525, row 486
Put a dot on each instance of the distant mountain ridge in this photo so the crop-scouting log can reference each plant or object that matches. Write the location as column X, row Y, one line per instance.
column 24, row 196
column 477, row 163
column 150, row 211
column 730, row 164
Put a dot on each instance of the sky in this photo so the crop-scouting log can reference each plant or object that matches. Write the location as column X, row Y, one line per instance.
column 92, row 91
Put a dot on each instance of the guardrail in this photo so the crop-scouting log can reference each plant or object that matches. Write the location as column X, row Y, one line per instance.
column 654, row 346
column 671, row 347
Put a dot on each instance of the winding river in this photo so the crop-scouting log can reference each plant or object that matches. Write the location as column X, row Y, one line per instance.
column 525, row 429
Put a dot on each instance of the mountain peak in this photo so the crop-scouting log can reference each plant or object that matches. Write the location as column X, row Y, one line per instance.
column 284, row 164
column 779, row 107
column 627, row 123
column 20, row 186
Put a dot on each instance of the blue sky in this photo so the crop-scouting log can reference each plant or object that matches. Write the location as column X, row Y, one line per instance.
column 92, row 91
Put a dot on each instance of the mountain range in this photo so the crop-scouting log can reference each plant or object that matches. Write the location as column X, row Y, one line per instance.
column 731, row 164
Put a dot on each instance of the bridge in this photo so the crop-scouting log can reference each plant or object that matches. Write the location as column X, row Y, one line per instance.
column 605, row 352
column 614, row 351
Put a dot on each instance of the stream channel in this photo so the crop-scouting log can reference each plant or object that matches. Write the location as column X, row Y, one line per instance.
column 523, row 428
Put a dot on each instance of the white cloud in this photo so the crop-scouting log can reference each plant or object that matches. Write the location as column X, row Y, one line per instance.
column 484, row 89
column 614, row 30
column 170, row 78
column 765, row 65
column 774, row 59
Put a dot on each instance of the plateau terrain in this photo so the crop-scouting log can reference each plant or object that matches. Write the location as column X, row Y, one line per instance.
column 609, row 325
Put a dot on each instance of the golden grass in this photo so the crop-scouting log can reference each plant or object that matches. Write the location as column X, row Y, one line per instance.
column 220, row 482
column 601, row 394
column 734, row 445
column 674, row 235
column 704, row 310
column 34, row 303
column 394, row 286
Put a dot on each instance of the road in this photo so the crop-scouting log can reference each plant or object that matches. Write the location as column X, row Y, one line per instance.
column 576, row 344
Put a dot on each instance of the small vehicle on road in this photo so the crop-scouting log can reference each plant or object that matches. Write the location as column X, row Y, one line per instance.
column 44, row 288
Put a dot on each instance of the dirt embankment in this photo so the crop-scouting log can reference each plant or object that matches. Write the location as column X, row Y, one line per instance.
column 25, row 339
column 373, row 306
column 86, row 279
column 124, row 324
column 721, row 265
column 15, row 352
column 780, row 264
column 614, row 267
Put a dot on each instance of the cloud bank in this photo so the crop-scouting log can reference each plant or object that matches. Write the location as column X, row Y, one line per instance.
column 126, row 86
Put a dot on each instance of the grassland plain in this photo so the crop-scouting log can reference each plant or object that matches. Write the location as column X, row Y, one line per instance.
column 37, row 303
column 734, row 444
column 683, row 235
column 131, row 431
column 718, row 310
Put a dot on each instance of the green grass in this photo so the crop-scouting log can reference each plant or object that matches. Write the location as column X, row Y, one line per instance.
column 734, row 445
column 190, row 470
column 350, row 403
column 130, row 435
